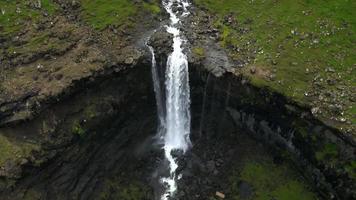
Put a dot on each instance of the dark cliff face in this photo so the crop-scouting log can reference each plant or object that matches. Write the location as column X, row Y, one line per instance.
column 98, row 143
column 86, row 139
column 319, row 152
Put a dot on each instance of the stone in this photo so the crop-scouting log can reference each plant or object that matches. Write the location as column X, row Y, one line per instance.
column 210, row 166
column 245, row 190
column 129, row 61
column 220, row 195
column 58, row 76
column 253, row 70
column 162, row 42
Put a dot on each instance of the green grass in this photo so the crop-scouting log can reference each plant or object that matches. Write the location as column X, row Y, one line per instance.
column 271, row 181
column 152, row 7
column 102, row 13
column 292, row 37
column 42, row 42
column 15, row 14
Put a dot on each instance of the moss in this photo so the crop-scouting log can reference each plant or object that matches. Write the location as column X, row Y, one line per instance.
column 11, row 149
column 351, row 169
column 15, row 14
column 199, row 51
column 77, row 129
column 292, row 190
column 271, row 181
column 328, row 152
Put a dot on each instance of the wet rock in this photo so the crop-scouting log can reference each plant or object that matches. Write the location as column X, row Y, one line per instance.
column 245, row 190
column 129, row 61
column 210, row 166
column 162, row 42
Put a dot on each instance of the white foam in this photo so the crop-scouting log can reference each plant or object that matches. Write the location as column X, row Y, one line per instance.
column 177, row 119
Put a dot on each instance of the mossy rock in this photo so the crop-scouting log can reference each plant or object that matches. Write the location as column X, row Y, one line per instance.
column 199, row 52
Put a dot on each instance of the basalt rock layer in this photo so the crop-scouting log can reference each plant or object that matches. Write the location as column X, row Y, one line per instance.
column 77, row 117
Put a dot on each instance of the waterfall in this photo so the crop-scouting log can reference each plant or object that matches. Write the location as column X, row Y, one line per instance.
column 175, row 118
column 158, row 93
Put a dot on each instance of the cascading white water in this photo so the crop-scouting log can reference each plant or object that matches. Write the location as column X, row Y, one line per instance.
column 176, row 118
column 158, row 93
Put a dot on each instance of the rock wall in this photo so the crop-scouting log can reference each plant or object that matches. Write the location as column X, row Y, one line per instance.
column 84, row 139
column 321, row 153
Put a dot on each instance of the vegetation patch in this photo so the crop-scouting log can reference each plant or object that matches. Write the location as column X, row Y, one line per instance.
column 14, row 149
column 77, row 129
column 199, row 51
column 14, row 15
column 328, row 152
column 351, row 169
column 271, row 181
column 41, row 43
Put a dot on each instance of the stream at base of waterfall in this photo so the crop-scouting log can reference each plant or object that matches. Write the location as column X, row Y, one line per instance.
column 174, row 120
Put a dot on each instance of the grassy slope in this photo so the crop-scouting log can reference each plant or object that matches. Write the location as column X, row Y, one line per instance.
column 15, row 14
column 98, row 13
column 271, row 181
column 299, row 41
column 101, row 13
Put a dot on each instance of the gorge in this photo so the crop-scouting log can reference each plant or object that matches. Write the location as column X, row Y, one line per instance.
column 117, row 114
